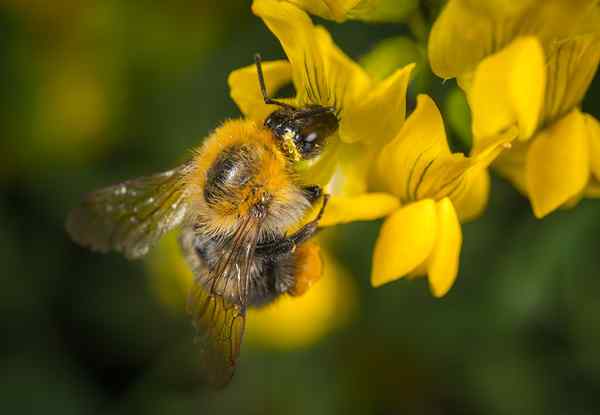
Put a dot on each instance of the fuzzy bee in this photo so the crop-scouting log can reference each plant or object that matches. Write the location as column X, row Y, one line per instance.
column 236, row 202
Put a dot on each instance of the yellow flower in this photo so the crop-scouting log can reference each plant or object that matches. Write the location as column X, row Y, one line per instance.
column 437, row 190
column 289, row 322
column 369, row 10
column 322, row 74
column 426, row 188
column 528, row 65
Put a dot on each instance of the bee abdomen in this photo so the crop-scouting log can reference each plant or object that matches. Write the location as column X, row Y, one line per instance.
column 268, row 277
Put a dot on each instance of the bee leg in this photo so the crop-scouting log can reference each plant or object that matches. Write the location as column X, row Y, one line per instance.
column 263, row 87
column 308, row 268
column 287, row 244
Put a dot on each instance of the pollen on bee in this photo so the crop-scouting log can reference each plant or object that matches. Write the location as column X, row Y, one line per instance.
column 289, row 146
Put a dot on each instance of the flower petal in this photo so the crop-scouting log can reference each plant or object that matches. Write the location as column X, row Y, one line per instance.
column 342, row 169
column 353, row 167
column 473, row 201
column 367, row 206
column 511, row 165
column 508, row 89
column 443, row 262
column 327, row 9
column 593, row 133
column 424, row 167
column 245, row 90
column 322, row 73
column 404, row 161
column 456, row 40
column 405, row 241
column 468, row 30
column 572, row 64
column 370, row 10
column 365, row 119
column 558, row 164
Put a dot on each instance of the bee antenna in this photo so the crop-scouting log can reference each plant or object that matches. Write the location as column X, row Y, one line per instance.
column 263, row 87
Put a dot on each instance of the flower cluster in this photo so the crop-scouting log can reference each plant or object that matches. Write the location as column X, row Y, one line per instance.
column 523, row 67
column 380, row 164
column 527, row 65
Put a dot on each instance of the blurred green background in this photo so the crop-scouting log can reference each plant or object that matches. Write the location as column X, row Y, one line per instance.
column 96, row 92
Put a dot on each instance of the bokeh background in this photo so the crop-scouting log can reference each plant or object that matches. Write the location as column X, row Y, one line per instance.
column 96, row 92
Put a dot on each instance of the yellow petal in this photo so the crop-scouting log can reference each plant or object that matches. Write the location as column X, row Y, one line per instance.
column 328, row 9
column 404, row 162
column 443, row 262
column 473, row 201
column 469, row 30
column 353, row 168
column 558, row 164
column 405, row 241
column 508, row 89
column 511, row 165
column 574, row 201
column 366, row 119
column 572, row 64
column 343, row 169
column 322, row 73
column 457, row 40
column 367, row 206
column 417, row 164
column 370, row 10
column 593, row 133
column 245, row 90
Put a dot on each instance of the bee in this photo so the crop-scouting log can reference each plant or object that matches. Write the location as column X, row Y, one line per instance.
column 242, row 211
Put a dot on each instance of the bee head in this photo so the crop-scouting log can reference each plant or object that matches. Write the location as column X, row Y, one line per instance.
column 302, row 131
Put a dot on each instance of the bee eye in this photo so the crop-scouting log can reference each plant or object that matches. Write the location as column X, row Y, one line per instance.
column 311, row 137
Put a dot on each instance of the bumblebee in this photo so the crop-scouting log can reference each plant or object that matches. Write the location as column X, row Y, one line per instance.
column 236, row 201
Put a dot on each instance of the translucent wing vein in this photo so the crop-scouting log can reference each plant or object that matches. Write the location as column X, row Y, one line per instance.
column 131, row 216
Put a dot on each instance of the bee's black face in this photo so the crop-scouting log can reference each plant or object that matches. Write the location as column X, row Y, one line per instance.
column 307, row 128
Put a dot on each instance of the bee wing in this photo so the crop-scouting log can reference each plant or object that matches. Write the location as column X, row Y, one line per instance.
column 218, row 304
column 129, row 217
column 220, row 326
